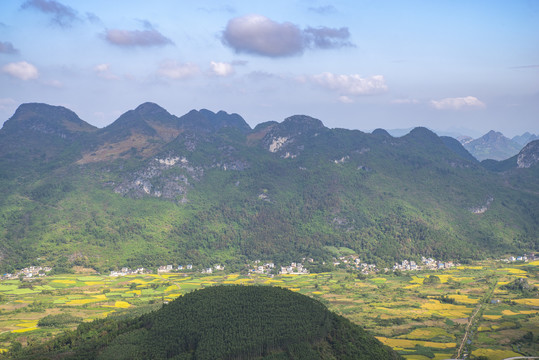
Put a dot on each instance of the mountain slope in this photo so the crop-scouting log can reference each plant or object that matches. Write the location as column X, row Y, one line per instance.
column 224, row 322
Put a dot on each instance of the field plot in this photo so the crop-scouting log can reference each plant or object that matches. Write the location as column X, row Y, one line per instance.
column 420, row 320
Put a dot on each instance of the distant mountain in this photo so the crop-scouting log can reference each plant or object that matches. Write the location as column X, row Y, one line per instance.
column 525, row 138
column 492, row 145
column 222, row 322
column 153, row 188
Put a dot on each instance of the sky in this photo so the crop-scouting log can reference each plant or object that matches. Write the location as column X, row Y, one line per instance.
column 463, row 66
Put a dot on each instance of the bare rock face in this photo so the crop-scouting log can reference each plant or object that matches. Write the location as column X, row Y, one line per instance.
column 529, row 156
column 282, row 138
column 168, row 178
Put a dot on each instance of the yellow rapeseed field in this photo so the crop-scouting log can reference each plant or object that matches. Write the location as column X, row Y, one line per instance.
column 426, row 333
column 26, row 326
column 529, row 302
column 514, row 271
column 447, row 310
column 62, row 281
column 410, row 344
column 171, row 288
column 138, row 281
column 122, row 304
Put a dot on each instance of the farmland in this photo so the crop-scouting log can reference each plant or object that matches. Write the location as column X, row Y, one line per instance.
column 420, row 320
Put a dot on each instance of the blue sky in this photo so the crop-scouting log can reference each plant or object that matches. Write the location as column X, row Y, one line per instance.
column 468, row 65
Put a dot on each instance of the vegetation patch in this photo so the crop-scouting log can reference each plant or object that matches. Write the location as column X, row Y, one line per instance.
column 90, row 278
column 493, row 354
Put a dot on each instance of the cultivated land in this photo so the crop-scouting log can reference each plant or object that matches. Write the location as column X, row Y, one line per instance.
column 421, row 321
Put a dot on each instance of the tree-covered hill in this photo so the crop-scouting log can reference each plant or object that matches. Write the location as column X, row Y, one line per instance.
column 153, row 189
column 221, row 322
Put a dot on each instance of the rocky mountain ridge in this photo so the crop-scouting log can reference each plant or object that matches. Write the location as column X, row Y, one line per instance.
column 153, row 188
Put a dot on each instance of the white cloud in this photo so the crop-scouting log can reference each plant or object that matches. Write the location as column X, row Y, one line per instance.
column 346, row 100
column 457, row 103
column 21, row 70
column 222, row 68
column 103, row 71
column 177, row 71
column 352, row 84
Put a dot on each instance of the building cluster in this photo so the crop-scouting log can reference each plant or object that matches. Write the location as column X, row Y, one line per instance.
column 524, row 258
column 259, row 268
column 127, row 271
column 426, row 264
column 28, row 272
column 294, row 269
column 189, row 267
column 211, row 270
column 354, row 262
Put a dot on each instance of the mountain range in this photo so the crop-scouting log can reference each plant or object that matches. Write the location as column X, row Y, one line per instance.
column 493, row 145
column 204, row 188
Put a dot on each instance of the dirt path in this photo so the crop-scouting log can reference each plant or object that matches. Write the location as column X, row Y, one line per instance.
column 473, row 320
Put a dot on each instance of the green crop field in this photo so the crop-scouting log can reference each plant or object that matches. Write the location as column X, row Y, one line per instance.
column 420, row 320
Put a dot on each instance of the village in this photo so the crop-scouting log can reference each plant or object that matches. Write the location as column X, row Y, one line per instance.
column 28, row 272
column 348, row 262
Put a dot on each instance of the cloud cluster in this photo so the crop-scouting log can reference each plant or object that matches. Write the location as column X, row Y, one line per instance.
column 457, row 103
column 21, row 70
column 323, row 10
column 62, row 15
column 352, row 84
column 327, row 38
column 7, row 48
column 177, row 71
column 133, row 38
column 103, row 71
column 221, row 68
column 259, row 35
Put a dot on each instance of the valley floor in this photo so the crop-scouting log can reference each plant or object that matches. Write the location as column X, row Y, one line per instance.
column 420, row 320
